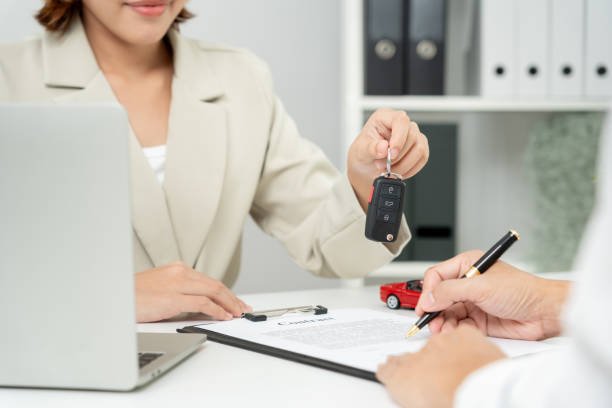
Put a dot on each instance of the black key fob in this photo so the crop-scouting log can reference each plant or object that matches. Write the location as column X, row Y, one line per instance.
column 385, row 209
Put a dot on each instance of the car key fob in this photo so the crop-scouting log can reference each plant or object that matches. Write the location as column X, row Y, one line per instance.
column 385, row 208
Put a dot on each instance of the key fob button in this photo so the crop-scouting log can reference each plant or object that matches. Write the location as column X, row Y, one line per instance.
column 390, row 190
column 386, row 203
column 386, row 216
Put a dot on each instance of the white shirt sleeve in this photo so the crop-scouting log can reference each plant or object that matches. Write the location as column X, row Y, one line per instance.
column 581, row 375
column 553, row 379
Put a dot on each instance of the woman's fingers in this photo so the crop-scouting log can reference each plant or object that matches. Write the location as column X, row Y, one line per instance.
column 204, row 286
column 388, row 129
column 414, row 151
column 201, row 304
column 416, row 168
column 245, row 308
column 402, row 134
column 164, row 292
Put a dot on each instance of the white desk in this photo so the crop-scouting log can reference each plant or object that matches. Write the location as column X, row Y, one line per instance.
column 223, row 376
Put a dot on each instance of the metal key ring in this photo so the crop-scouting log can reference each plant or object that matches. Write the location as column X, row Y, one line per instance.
column 388, row 175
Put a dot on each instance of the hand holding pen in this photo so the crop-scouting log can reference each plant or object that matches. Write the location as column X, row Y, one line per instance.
column 505, row 302
column 479, row 267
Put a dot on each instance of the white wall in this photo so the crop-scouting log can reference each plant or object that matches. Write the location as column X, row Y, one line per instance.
column 301, row 41
column 16, row 20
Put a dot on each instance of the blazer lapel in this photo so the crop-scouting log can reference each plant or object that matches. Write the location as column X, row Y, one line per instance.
column 70, row 63
column 150, row 213
column 197, row 148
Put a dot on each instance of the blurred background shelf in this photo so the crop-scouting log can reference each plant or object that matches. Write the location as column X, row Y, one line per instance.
column 402, row 270
column 480, row 104
column 415, row 269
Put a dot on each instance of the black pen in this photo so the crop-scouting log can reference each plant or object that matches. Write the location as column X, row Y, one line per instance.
column 480, row 267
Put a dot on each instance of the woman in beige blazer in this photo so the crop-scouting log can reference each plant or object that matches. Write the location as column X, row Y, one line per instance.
column 232, row 151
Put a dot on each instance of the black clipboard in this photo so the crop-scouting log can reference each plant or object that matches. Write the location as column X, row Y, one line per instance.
column 280, row 353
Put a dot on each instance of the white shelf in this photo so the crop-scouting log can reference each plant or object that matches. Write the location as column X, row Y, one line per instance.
column 481, row 104
column 402, row 270
column 416, row 270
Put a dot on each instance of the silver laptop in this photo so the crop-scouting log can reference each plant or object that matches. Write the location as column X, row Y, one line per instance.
column 66, row 275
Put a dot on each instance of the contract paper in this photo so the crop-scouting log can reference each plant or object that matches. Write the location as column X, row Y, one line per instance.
column 360, row 338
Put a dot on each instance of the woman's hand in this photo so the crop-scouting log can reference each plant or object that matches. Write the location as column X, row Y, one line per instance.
column 367, row 157
column 430, row 377
column 504, row 302
column 165, row 292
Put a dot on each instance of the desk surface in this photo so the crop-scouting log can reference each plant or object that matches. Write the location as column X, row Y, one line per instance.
column 219, row 375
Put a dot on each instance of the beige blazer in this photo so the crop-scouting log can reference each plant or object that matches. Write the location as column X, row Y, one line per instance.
column 232, row 151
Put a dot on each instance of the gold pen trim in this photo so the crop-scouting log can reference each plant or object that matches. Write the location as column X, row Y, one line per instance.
column 472, row 272
column 516, row 234
column 413, row 330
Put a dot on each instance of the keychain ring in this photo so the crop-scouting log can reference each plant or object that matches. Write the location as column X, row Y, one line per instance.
column 395, row 175
column 388, row 174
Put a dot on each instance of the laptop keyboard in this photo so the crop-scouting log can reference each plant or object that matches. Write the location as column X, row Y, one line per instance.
column 146, row 358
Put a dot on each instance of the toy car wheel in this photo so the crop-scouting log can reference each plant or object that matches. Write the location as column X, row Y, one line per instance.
column 393, row 302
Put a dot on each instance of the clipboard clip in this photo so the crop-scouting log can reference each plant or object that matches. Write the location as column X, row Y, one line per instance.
column 263, row 315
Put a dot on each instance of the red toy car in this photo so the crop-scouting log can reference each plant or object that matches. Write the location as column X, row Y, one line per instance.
column 401, row 294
